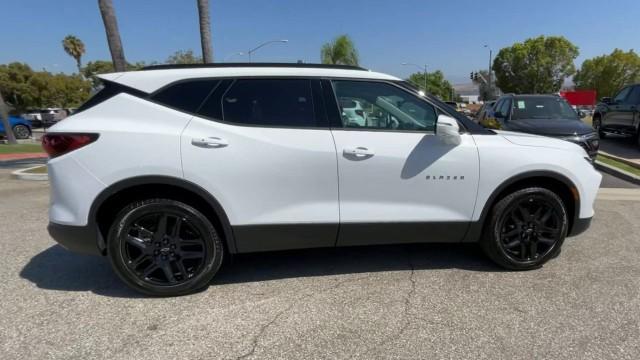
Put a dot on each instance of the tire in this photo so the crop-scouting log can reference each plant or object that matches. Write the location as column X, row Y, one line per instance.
column 525, row 229
column 597, row 125
column 21, row 132
column 163, row 247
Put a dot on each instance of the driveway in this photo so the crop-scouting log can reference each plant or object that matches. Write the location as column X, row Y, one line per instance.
column 403, row 302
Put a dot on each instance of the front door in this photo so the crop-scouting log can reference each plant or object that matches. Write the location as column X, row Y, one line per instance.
column 398, row 181
column 621, row 111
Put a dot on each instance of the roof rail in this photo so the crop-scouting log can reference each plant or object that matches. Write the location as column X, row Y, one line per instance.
column 231, row 65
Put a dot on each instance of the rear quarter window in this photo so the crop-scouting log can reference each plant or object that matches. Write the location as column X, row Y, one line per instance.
column 186, row 95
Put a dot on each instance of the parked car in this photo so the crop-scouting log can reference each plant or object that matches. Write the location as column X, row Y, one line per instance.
column 620, row 114
column 21, row 127
column 50, row 116
column 241, row 158
column 34, row 116
column 547, row 115
column 352, row 111
column 485, row 109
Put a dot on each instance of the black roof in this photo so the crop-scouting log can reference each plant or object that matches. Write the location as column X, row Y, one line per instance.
column 230, row 65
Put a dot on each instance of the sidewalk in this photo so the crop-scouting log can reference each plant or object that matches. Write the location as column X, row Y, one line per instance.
column 21, row 156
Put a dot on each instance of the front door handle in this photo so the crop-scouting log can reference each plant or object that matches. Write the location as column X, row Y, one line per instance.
column 358, row 151
column 210, row 142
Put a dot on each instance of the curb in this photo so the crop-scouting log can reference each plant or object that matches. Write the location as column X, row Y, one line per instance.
column 22, row 174
column 620, row 159
column 617, row 172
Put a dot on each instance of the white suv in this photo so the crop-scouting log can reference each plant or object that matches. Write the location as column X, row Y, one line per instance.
column 168, row 170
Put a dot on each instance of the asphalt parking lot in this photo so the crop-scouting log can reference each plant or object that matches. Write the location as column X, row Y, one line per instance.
column 418, row 301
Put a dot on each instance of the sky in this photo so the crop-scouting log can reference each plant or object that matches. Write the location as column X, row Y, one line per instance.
column 447, row 35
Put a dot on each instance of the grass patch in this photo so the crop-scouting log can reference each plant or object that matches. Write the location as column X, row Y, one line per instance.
column 20, row 148
column 619, row 165
column 39, row 170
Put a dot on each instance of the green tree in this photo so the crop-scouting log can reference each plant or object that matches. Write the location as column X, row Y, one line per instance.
column 340, row 51
column 75, row 48
column 183, row 57
column 205, row 30
column 113, row 34
column 538, row 65
column 437, row 85
column 22, row 88
column 609, row 73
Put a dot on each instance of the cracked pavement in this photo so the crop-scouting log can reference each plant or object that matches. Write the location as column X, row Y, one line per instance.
column 401, row 302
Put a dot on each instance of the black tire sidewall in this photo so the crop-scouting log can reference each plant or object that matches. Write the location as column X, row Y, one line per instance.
column 491, row 236
column 212, row 261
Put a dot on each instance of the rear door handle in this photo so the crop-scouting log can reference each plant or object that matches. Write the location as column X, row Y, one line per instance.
column 210, row 142
column 358, row 151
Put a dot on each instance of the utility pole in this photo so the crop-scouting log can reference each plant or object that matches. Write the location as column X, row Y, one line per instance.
column 489, row 81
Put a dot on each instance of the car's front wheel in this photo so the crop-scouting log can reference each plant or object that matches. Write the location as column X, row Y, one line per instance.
column 21, row 132
column 597, row 126
column 526, row 228
column 163, row 247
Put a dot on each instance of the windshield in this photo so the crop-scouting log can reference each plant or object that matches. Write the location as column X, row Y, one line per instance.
column 542, row 108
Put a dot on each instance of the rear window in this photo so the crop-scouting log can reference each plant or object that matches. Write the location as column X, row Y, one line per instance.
column 186, row 95
column 108, row 90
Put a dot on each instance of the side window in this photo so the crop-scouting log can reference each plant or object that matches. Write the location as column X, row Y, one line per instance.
column 270, row 102
column 376, row 105
column 186, row 95
column 622, row 95
column 634, row 96
column 505, row 108
column 497, row 106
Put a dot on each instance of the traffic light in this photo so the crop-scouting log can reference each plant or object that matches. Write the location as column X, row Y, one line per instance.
column 471, row 76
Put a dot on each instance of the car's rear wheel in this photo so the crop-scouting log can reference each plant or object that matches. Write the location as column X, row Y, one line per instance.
column 526, row 228
column 21, row 132
column 597, row 126
column 164, row 247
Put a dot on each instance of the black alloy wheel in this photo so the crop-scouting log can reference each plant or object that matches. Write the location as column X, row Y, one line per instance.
column 527, row 228
column 164, row 247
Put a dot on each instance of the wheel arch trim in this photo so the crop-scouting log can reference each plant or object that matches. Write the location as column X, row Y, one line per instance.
column 475, row 230
column 185, row 185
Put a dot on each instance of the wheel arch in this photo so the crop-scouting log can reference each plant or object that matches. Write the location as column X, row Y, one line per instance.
column 112, row 199
column 554, row 181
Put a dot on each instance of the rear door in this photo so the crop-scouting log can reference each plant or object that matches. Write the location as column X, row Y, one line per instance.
column 398, row 181
column 263, row 149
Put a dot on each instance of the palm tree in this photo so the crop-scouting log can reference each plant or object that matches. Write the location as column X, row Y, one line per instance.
column 75, row 48
column 341, row 51
column 113, row 34
column 205, row 31
column 4, row 115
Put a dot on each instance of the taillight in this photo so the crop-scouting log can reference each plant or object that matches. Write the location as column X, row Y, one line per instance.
column 56, row 144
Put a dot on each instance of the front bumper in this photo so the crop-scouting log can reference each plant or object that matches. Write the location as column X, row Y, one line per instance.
column 579, row 226
column 79, row 239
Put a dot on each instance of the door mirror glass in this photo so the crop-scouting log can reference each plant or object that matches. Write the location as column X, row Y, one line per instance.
column 448, row 130
column 606, row 100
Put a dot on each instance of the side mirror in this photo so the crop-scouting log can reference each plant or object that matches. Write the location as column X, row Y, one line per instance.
column 581, row 114
column 606, row 100
column 448, row 130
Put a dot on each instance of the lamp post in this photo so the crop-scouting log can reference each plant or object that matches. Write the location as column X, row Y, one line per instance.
column 489, row 80
column 239, row 53
column 424, row 67
column 264, row 44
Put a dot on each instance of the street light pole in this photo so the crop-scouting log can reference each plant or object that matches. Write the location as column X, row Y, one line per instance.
column 264, row 44
column 490, row 60
column 239, row 53
column 424, row 67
